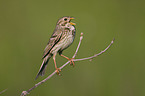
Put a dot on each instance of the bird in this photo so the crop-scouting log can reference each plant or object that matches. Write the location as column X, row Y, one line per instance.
column 62, row 37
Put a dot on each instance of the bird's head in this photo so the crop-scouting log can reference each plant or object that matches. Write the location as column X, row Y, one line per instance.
column 64, row 20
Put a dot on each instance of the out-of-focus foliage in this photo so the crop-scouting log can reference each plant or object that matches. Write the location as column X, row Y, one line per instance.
column 25, row 28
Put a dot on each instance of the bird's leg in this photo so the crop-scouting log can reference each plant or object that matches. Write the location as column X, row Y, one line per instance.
column 57, row 69
column 69, row 59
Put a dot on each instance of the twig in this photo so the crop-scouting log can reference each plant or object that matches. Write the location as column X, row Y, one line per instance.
column 96, row 54
column 3, row 91
column 24, row 93
column 78, row 46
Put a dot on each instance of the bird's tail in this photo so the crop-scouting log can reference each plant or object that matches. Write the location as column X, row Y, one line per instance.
column 43, row 66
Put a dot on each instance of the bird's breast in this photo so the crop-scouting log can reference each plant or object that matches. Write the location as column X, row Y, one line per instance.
column 65, row 42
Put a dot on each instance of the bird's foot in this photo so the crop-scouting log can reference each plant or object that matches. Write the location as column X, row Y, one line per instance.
column 57, row 71
column 71, row 61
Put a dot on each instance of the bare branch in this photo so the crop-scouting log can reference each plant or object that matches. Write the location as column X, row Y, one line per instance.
column 24, row 93
column 96, row 54
column 78, row 46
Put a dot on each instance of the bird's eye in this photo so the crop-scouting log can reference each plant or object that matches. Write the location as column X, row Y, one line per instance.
column 65, row 19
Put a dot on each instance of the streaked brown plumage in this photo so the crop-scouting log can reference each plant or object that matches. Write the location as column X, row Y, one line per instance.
column 62, row 37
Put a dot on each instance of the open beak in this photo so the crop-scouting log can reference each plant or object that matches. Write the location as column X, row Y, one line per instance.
column 72, row 22
column 72, row 18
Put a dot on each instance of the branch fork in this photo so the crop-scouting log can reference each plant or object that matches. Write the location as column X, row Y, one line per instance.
column 24, row 93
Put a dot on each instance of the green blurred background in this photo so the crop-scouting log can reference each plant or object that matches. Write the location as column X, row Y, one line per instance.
column 25, row 28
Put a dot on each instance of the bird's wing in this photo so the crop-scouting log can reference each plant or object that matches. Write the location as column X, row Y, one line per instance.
column 54, row 39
